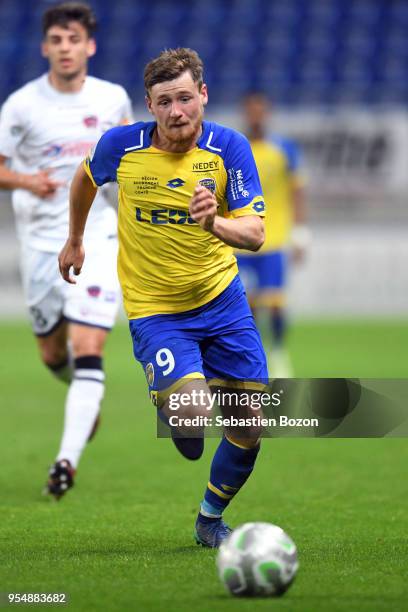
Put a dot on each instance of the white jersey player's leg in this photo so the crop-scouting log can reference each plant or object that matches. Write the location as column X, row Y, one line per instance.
column 83, row 402
column 90, row 309
column 71, row 324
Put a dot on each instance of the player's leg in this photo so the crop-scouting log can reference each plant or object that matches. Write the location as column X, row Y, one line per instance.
column 232, row 465
column 280, row 365
column 86, row 391
column 41, row 285
column 82, row 404
column 55, row 352
column 167, row 347
column 271, row 298
column 234, row 354
column 196, row 409
column 90, row 308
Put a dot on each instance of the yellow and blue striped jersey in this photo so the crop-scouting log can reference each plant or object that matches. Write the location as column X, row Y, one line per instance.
column 167, row 263
column 278, row 164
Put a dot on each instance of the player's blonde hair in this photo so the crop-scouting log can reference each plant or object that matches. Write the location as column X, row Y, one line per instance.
column 170, row 64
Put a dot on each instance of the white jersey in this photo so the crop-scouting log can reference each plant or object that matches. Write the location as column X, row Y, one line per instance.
column 42, row 128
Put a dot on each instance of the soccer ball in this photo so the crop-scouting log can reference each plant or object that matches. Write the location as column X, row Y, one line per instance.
column 257, row 559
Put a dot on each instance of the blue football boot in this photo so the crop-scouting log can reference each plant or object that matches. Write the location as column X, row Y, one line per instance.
column 211, row 532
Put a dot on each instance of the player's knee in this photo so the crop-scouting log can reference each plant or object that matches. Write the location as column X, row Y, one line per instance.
column 276, row 310
column 86, row 340
column 54, row 357
column 189, row 418
column 245, row 427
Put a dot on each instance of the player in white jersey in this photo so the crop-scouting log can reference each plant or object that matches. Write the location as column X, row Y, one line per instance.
column 46, row 128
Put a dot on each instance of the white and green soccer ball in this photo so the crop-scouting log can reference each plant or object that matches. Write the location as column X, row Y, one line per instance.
column 258, row 560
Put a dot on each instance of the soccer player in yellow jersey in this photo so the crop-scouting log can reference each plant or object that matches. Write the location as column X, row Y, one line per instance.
column 286, row 236
column 189, row 193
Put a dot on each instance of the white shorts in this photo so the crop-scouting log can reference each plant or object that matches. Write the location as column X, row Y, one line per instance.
column 93, row 301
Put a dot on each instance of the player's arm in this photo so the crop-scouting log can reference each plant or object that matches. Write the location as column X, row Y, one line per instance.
column 246, row 232
column 98, row 168
column 40, row 184
column 300, row 235
column 13, row 131
column 82, row 194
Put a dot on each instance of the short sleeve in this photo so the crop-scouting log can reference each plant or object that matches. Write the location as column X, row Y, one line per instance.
column 243, row 193
column 102, row 162
column 12, row 129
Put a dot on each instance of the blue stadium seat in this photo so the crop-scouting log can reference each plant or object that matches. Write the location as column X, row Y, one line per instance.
column 308, row 51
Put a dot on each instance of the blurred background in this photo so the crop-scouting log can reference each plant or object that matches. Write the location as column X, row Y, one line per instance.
column 337, row 74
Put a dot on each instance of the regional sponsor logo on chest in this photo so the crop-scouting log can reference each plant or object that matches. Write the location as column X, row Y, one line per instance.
column 143, row 185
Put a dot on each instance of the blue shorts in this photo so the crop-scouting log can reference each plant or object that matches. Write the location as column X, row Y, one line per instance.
column 264, row 271
column 216, row 341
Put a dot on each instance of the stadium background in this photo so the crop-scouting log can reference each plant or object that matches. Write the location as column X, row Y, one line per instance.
column 337, row 73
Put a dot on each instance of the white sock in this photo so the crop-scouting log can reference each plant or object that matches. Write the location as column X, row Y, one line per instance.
column 82, row 407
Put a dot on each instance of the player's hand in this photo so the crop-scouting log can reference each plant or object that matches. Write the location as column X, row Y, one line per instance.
column 41, row 184
column 298, row 254
column 300, row 240
column 203, row 207
column 71, row 256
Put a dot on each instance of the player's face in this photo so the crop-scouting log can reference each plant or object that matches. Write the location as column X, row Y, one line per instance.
column 178, row 107
column 256, row 113
column 68, row 49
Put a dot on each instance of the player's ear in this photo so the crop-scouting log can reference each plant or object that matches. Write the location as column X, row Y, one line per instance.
column 91, row 47
column 204, row 94
column 44, row 49
column 148, row 101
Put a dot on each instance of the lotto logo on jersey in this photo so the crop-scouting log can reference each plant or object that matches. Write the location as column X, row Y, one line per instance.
column 174, row 183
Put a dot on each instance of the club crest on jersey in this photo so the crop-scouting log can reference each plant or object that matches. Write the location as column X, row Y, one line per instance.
column 94, row 291
column 208, row 183
column 91, row 121
column 149, row 374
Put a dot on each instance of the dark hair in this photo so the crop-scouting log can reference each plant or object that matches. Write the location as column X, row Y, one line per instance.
column 170, row 64
column 257, row 95
column 62, row 14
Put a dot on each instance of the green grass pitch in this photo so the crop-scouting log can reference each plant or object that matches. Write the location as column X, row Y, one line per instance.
column 122, row 538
